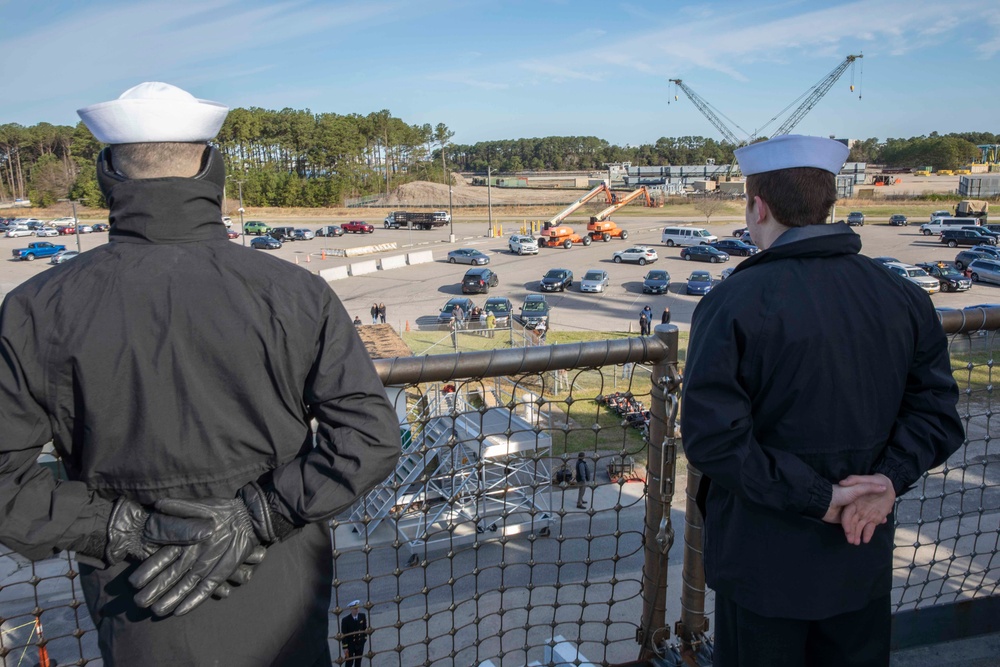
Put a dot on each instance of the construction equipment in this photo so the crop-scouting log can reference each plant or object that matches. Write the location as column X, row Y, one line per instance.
column 972, row 208
column 561, row 235
column 566, row 212
column 709, row 112
column 602, row 228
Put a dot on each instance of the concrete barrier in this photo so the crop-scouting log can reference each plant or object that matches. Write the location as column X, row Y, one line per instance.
column 393, row 262
column 361, row 268
column 421, row 257
column 335, row 273
column 360, row 250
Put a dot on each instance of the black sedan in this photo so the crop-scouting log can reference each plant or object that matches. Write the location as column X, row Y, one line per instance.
column 265, row 243
column 704, row 253
column 557, row 279
column 656, row 282
column 735, row 247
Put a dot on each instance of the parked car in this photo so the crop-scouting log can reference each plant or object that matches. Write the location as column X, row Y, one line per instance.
column 985, row 271
column 84, row 228
column 330, row 230
column 535, row 311
column 283, row 234
column 898, row 220
column 950, row 279
column 595, row 280
column 738, row 233
column 256, row 227
column 18, row 230
column 699, row 283
column 58, row 222
column 940, row 214
column 479, row 281
column 747, row 239
column 227, row 221
column 46, row 231
column 102, row 227
column 303, row 234
column 232, row 234
column 641, row 254
column 556, row 279
column 915, row 275
column 856, row 219
column 965, row 257
column 956, row 237
column 726, row 272
column 982, row 231
column 656, row 282
column 447, row 313
column 885, row 260
column 704, row 253
column 63, row 256
column 522, row 245
column 467, row 256
column 501, row 307
column 359, row 226
column 265, row 243
column 735, row 247
column 66, row 230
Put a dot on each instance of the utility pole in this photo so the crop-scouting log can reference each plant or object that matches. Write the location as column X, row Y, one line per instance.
column 76, row 226
column 489, row 199
column 451, row 216
column 243, row 231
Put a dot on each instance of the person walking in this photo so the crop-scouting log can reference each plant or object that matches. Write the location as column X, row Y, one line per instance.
column 177, row 486
column 381, row 312
column 374, row 312
column 665, row 317
column 797, row 501
column 354, row 633
column 459, row 316
column 582, row 479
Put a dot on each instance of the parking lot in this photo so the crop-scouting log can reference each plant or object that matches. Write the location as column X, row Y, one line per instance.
column 414, row 294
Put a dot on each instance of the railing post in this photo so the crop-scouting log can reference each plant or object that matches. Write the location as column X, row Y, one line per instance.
column 658, row 535
column 693, row 624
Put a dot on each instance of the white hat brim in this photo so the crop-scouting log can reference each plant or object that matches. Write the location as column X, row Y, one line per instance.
column 133, row 121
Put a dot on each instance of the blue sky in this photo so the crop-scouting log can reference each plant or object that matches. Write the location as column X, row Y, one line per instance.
column 504, row 69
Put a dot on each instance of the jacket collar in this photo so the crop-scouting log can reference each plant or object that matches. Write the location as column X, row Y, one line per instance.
column 166, row 210
column 809, row 241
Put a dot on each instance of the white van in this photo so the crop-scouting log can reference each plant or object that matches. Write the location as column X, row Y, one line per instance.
column 938, row 225
column 687, row 236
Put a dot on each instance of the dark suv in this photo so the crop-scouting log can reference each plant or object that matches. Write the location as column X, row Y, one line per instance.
column 957, row 237
column 283, row 234
column 965, row 257
column 856, row 218
column 479, row 281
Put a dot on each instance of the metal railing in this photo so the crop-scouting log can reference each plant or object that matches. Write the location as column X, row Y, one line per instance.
column 481, row 556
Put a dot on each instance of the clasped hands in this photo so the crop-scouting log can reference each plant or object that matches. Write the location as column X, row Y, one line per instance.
column 860, row 504
column 191, row 549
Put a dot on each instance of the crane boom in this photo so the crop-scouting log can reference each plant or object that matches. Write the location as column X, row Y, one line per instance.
column 706, row 110
column 624, row 201
column 819, row 90
column 559, row 217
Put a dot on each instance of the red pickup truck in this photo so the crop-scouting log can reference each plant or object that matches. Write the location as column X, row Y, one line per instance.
column 358, row 227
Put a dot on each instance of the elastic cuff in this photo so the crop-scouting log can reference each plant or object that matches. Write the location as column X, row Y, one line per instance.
column 895, row 475
column 820, row 495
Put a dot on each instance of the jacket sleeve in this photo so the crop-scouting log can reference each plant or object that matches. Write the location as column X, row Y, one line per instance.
column 38, row 515
column 927, row 429
column 358, row 437
column 717, row 425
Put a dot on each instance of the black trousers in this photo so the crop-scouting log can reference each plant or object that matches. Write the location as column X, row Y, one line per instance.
column 855, row 639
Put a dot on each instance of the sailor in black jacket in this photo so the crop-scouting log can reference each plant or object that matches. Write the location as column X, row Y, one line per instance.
column 818, row 388
column 354, row 634
column 177, row 374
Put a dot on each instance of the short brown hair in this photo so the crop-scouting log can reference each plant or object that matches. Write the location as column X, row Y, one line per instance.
column 158, row 160
column 797, row 197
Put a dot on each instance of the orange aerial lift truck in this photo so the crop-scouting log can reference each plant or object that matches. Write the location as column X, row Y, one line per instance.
column 602, row 228
column 554, row 235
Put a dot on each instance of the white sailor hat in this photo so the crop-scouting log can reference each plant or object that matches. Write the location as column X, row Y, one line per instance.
column 154, row 112
column 792, row 150
column 355, row 603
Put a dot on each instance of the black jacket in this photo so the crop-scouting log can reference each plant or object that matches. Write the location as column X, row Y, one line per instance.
column 172, row 362
column 809, row 364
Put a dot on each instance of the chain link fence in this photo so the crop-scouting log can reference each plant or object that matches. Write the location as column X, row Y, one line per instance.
column 477, row 550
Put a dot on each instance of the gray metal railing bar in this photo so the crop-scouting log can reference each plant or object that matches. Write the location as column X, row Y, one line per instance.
column 516, row 361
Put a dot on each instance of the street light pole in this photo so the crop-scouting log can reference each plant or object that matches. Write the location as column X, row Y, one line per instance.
column 76, row 226
column 451, row 216
column 489, row 199
column 243, row 231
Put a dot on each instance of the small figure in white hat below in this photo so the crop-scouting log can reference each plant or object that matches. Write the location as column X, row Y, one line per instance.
column 817, row 388
column 177, row 374
column 354, row 634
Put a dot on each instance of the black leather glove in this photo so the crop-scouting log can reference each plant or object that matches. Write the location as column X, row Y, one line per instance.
column 178, row 580
column 133, row 531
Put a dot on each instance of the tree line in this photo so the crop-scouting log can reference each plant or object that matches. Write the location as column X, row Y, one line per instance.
column 293, row 157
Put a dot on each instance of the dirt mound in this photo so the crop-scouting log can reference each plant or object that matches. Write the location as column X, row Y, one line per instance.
column 425, row 193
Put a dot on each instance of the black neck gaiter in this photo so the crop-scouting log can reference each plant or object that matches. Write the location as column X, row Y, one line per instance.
column 166, row 210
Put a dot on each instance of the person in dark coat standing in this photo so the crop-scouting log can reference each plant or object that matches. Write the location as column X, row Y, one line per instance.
column 582, row 479
column 195, row 391
column 381, row 313
column 374, row 312
column 354, row 635
column 665, row 317
column 645, row 321
column 809, row 408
